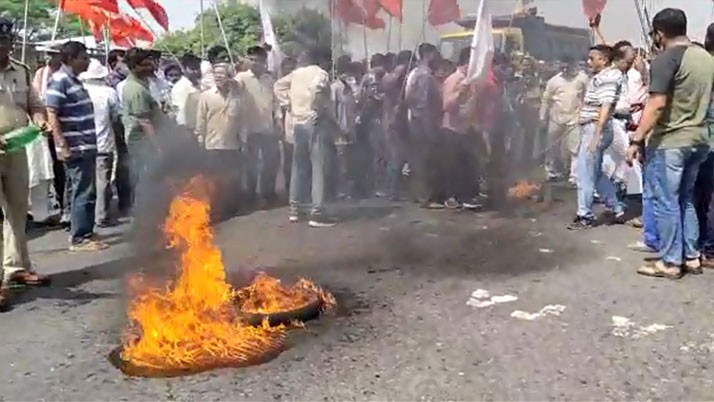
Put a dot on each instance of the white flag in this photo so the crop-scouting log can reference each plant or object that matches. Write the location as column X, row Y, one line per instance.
column 482, row 47
column 274, row 55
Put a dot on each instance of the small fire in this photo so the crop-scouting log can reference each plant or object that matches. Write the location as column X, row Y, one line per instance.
column 523, row 190
column 194, row 324
column 267, row 295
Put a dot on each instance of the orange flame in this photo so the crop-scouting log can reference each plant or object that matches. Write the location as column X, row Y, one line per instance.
column 194, row 324
column 523, row 190
column 267, row 295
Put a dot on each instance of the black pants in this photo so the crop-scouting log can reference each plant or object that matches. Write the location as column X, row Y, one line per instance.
column 262, row 159
column 425, row 162
column 460, row 165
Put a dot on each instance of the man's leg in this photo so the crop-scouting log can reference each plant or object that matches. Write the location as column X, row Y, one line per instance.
column 667, row 170
column 251, row 157
column 703, row 197
column 270, row 152
column 588, row 165
column 650, row 236
column 553, row 154
column 15, row 188
column 82, row 170
column 300, row 172
column 319, row 147
column 690, row 224
column 105, row 163
column 287, row 164
column 605, row 184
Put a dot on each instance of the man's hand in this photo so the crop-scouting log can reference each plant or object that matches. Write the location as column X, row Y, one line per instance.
column 62, row 151
column 593, row 145
column 3, row 143
column 594, row 22
column 633, row 154
column 44, row 126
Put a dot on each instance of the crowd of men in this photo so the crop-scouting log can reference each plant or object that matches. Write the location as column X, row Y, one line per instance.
column 402, row 126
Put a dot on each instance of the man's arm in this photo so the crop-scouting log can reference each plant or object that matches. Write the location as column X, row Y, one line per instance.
column 546, row 99
column 140, row 105
column 55, row 99
column 663, row 69
column 282, row 90
column 201, row 119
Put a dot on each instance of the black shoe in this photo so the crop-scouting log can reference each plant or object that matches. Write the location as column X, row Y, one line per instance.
column 581, row 223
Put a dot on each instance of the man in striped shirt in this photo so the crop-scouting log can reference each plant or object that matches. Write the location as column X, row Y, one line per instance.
column 596, row 135
column 71, row 117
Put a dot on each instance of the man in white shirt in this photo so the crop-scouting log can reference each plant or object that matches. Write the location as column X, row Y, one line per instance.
column 559, row 113
column 218, row 128
column 188, row 85
column 106, row 116
column 259, row 131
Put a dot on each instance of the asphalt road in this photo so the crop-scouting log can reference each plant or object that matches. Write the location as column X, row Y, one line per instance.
column 403, row 331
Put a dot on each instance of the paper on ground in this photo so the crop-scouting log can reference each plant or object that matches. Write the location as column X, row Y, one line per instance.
column 551, row 309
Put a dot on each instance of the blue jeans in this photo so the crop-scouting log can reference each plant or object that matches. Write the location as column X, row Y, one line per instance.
column 308, row 169
column 704, row 203
column 650, row 235
column 672, row 174
column 590, row 174
column 82, row 174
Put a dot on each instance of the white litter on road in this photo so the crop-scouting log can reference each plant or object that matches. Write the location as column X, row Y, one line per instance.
column 551, row 309
column 481, row 298
column 546, row 251
column 596, row 242
column 626, row 328
column 613, row 258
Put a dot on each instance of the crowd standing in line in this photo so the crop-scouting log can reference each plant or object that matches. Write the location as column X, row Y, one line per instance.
column 407, row 126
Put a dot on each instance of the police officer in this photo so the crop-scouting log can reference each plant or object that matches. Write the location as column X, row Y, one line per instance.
column 18, row 101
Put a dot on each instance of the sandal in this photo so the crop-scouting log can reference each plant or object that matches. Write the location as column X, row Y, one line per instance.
column 659, row 269
column 693, row 267
column 29, row 278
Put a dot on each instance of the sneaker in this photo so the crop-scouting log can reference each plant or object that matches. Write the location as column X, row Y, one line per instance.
column 472, row 205
column 88, row 245
column 581, row 223
column 321, row 222
column 451, row 203
column 641, row 247
column 294, row 218
column 693, row 267
column 432, row 205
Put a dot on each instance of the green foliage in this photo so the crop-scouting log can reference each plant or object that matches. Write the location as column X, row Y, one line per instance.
column 303, row 29
column 41, row 18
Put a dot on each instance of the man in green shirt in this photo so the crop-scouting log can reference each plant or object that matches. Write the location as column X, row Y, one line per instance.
column 140, row 112
column 681, row 82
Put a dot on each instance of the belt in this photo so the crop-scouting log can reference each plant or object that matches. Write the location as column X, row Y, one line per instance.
column 621, row 116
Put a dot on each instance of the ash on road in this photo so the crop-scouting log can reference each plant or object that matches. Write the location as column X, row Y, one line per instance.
column 403, row 331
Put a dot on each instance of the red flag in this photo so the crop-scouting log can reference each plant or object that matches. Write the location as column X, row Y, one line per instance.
column 392, row 7
column 351, row 13
column 123, row 26
column 593, row 7
column 154, row 8
column 81, row 5
column 443, row 11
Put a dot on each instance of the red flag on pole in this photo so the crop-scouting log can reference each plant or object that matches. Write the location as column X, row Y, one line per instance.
column 392, row 7
column 443, row 12
column 351, row 13
column 154, row 8
column 593, row 7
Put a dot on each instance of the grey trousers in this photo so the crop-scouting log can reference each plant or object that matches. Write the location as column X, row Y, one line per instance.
column 105, row 163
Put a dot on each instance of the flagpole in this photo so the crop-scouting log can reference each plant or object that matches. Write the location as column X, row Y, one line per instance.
column 223, row 33
column 203, row 31
column 401, row 23
column 57, row 21
column 332, row 36
column 81, row 30
column 389, row 33
column 364, row 32
column 24, row 30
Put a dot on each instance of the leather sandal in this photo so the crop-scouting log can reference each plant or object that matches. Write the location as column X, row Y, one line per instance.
column 29, row 278
column 5, row 299
column 659, row 269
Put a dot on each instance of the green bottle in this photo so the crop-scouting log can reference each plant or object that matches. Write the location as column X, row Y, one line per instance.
column 18, row 138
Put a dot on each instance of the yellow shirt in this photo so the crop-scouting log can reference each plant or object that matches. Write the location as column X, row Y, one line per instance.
column 307, row 91
column 218, row 121
column 260, row 105
column 562, row 98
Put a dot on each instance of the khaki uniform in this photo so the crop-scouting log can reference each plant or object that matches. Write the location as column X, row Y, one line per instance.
column 17, row 100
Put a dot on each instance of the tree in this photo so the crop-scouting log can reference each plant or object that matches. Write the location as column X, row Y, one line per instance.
column 41, row 18
column 306, row 28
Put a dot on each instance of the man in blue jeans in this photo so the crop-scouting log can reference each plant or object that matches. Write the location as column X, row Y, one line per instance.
column 596, row 135
column 682, row 75
column 71, row 116
column 307, row 91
